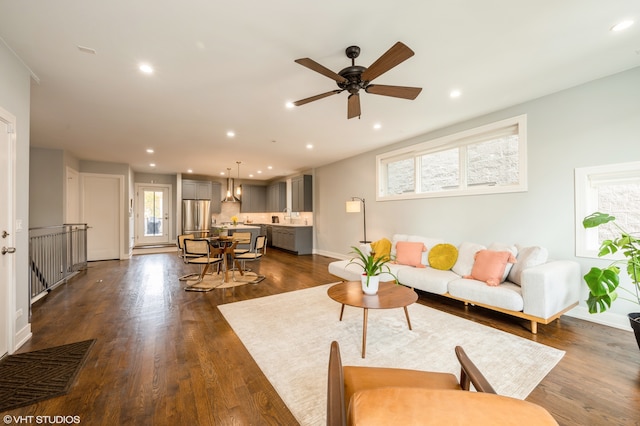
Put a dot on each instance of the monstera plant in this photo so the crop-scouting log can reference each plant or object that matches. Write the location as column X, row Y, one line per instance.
column 604, row 283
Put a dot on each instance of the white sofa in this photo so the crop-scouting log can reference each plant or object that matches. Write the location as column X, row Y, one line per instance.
column 535, row 289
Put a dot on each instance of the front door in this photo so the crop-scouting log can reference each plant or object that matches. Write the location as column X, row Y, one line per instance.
column 152, row 214
column 7, row 277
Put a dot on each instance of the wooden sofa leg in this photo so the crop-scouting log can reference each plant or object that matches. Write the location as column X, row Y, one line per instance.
column 534, row 327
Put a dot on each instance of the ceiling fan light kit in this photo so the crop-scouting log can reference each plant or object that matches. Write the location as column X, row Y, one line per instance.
column 355, row 77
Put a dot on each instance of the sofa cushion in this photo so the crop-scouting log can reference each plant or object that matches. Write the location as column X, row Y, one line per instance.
column 410, row 253
column 443, row 256
column 489, row 266
column 428, row 279
column 505, row 247
column 527, row 258
column 506, row 295
column 466, row 256
column 381, row 248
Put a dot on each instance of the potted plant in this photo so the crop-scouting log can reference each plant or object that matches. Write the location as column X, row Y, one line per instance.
column 372, row 267
column 603, row 283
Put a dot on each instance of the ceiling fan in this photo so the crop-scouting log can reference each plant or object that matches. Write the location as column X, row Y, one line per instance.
column 357, row 77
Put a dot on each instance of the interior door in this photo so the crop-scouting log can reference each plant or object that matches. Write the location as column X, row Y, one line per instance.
column 101, row 209
column 152, row 214
column 7, row 277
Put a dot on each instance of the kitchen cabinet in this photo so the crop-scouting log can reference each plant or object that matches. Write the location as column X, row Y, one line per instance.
column 196, row 190
column 216, row 197
column 267, row 231
column 254, row 199
column 276, row 197
column 301, row 194
column 298, row 239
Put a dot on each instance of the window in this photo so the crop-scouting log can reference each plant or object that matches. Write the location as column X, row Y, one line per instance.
column 612, row 189
column 488, row 159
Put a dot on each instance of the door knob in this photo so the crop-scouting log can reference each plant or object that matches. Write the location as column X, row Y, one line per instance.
column 6, row 250
column 5, row 234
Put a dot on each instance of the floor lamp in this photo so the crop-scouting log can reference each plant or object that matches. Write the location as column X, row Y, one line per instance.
column 353, row 206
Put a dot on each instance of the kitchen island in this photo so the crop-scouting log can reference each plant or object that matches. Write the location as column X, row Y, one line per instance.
column 292, row 237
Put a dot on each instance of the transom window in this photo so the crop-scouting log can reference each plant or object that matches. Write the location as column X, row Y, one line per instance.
column 488, row 159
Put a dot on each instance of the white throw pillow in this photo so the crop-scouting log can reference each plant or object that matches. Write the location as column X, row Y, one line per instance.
column 466, row 256
column 527, row 257
column 394, row 240
column 505, row 247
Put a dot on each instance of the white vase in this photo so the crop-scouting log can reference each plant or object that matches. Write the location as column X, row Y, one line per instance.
column 372, row 288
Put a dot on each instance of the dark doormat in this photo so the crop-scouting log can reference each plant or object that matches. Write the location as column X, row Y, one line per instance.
column 35, row 376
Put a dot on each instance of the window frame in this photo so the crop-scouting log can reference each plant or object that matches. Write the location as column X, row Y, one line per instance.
column 586, row 201
column 458, row 140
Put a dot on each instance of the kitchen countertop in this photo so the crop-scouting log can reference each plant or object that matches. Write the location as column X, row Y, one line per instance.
column 238, row 226
column 289, row 225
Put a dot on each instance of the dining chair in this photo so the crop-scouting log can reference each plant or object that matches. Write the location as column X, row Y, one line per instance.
column 181, row 254
column 243, row 238
column 198, row 251
column 255, row 254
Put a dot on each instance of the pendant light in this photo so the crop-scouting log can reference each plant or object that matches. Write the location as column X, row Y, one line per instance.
column 238, row 190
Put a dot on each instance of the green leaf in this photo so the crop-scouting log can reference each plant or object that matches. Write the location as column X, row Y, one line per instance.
column 597, row 219
column 602, row 282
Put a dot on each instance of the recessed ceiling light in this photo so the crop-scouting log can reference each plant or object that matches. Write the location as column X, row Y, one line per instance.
column 377, row 126
column 259, row 171
column 231, row 133
column 309, row 146
column 621, row 26
column 289, row 105
column 152, row 164
column 222, row 173
column 455, row 93
column 269, row 167
column 150, row 150
column 250, row 175
column 190, row 171
column 146, row 68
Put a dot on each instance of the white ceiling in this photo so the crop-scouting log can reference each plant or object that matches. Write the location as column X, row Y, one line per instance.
column 229, row 65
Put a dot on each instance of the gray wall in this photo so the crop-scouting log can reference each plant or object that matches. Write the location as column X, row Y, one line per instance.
column 15, row 90
column 47, row 189
column 592, row 124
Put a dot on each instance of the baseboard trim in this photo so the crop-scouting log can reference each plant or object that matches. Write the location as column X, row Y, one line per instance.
column 22, row 337
column 609, row 319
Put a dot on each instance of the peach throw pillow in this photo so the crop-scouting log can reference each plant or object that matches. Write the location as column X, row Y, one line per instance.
column 410, row 253
column 489, row 266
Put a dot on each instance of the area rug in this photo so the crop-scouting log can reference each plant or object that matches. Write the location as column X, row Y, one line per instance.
column 35, row 376
column 289, row 336
column 213, row 281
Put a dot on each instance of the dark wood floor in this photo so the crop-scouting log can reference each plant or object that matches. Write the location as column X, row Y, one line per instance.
column 164, row 356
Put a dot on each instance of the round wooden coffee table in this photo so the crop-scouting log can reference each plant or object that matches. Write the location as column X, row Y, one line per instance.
column 389, row 296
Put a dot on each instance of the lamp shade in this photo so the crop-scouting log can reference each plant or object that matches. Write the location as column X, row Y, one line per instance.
column 353, row 206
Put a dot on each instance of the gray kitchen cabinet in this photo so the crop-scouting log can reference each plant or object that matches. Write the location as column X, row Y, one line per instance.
column 216, row 197
column 196, row 190
column 254, row 199
column 298, row 239
column 276, row 197
column 301, row 194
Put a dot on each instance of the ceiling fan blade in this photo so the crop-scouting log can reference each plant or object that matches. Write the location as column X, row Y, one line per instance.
column 398, row 53
column 316, row 97
column 314, row 66
column 353, row 106
column 395, row 91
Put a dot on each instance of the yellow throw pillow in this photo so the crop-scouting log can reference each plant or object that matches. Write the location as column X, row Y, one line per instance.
column 443, row 256
column 381, row 248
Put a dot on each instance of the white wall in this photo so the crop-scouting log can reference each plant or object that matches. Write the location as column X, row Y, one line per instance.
column 595, row 123
column 15, row 80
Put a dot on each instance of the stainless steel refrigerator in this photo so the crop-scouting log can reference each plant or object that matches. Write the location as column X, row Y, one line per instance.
column 196, row 217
